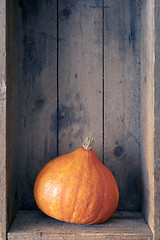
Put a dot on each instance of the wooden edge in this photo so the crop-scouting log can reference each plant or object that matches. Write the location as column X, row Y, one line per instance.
column 156, row 120
column 36, row 225
column 3, row 120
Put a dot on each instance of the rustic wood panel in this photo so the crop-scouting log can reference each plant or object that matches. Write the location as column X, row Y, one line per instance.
column 80, row 74
column 122, row 98
column 147, row 112
column 12, row 112
column 37, row 92
column 3, row 120
column 156, row 22
column 35, row 225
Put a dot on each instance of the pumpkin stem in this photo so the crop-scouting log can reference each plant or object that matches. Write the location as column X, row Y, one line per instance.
column 88, row 143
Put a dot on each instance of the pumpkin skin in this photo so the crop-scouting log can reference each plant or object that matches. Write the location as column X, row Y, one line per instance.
column 77, row 188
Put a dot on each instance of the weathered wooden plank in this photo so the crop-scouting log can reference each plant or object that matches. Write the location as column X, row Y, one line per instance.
column 156, row 22
column 78, row 21
column 122, row 98
column 12, row 111
column 37, row 92
column 3, row 120
column 78, row 237
column 80, row 75
column 36, row 225
column 147, row 111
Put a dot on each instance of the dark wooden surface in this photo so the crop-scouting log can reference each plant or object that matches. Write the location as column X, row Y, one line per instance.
column 36, row 225
column 12, row 168
column 2, row 121
column 8, row 115
column 122, row 98
column 106, row 38
column 37, row 92
column 96, row 83
column 80, row 75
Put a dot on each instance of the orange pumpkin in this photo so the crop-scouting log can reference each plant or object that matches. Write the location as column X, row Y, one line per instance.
column 77, row 188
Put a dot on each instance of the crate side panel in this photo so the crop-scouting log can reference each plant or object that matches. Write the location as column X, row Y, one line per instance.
column 80, row 75
column 122, row 98
column 12, row 111
column 3, row 120
column 37, row 92
column 147, row 112
column 157, row 122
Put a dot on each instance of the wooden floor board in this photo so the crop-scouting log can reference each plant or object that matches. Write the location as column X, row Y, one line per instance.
column 35, row 225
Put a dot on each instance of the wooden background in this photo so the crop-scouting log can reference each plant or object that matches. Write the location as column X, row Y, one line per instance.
column 79, row 75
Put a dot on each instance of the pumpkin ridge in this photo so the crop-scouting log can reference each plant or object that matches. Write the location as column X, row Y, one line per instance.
column 113, row 178
column 102, row 187
column 76, row 199
column 63, row 204
column 92, row 189
column 61, row 201
column 111, row 175
column 75, row 203
column 88, row 166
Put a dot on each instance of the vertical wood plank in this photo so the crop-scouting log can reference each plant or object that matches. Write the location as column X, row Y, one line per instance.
column 122, row 98
column 37, row 91
column 3, row 120
column 80, row 74
column 156, row 23
column 147, row 111
column 12, row 111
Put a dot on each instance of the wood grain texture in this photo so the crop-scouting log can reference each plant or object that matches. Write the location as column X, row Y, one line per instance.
column 80, row 75
column 12, row 112
column 122, row 98
column 35, row 225
column 156, row 8
column 3, row 120
column 147, row 112
column 37, row 92
column 131, row 98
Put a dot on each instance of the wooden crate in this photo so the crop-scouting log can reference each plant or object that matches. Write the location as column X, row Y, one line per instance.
column 71, row 69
